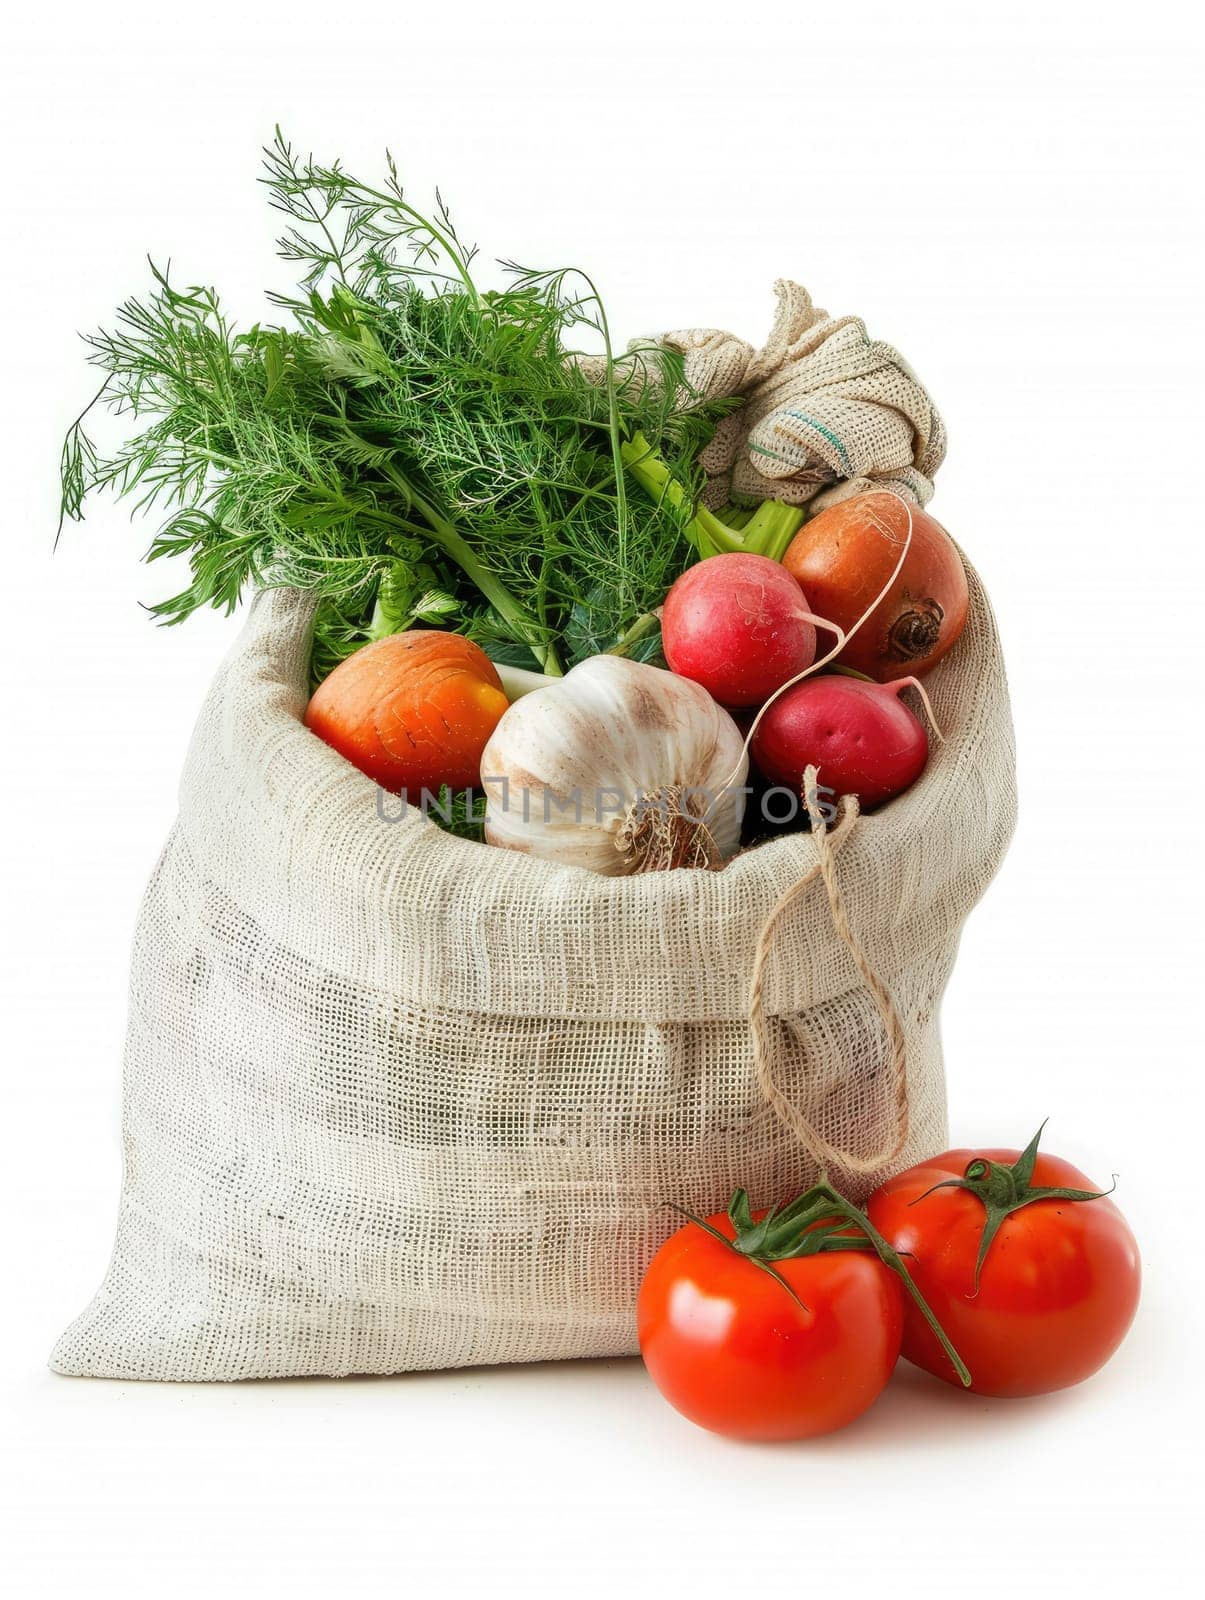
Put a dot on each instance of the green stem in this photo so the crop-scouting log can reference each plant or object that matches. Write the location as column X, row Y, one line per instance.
column 614, row 430
column 403, row 208
column 645, row 624
column 891, row 1258
column 547, row 654
column 454, row 545
column 551, row 660
column 379, row 625
column 766, row 531
column 819, row 1221
column 772, row 527
column 1002, row 1189
column 704, row 530
column 736, row 517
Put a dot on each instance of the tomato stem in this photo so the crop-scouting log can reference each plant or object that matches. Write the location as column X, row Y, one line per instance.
column 818, row 1221
column 1003, row 1189
column 766, row 1266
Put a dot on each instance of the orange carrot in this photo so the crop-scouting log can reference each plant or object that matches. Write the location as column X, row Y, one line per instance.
column 412, row 711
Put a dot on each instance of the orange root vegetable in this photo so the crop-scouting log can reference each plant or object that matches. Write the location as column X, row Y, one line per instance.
column 845, row 555
column 412, row 711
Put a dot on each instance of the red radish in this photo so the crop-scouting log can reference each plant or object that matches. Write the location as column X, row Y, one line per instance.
column 860, row 736
column 739, row 625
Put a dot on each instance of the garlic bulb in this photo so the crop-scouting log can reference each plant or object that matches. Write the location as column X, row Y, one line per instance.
column 618, row 767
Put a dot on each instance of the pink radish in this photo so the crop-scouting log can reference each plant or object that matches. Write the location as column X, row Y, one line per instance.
column 860, row 736
column 739, row 625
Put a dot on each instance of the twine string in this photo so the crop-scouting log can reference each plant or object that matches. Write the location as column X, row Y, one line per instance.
column 827, row 846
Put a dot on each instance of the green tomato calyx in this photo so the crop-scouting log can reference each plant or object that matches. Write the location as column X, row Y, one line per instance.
column 1003, row 1189
column 819, row 1221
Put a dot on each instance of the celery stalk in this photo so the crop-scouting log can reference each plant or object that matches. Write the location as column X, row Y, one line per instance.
column 766, row 531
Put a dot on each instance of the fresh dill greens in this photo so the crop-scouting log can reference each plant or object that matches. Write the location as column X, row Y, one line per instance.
column 411, row 447
column 461, row 812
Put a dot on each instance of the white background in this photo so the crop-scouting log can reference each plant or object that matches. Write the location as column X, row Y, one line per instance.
column 1012, row 195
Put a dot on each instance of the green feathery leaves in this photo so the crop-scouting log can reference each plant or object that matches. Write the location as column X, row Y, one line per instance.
column 411, row 447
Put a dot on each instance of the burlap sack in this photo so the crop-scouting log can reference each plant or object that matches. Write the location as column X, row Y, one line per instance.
column 395, row 1100
column 829, row 412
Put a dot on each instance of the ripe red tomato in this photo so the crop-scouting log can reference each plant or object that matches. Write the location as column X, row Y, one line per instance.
column 732, row 1349
column 1059, row 1281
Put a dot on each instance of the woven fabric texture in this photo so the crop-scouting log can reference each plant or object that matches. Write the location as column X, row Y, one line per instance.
column 395, row 1100
column 828, row 411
